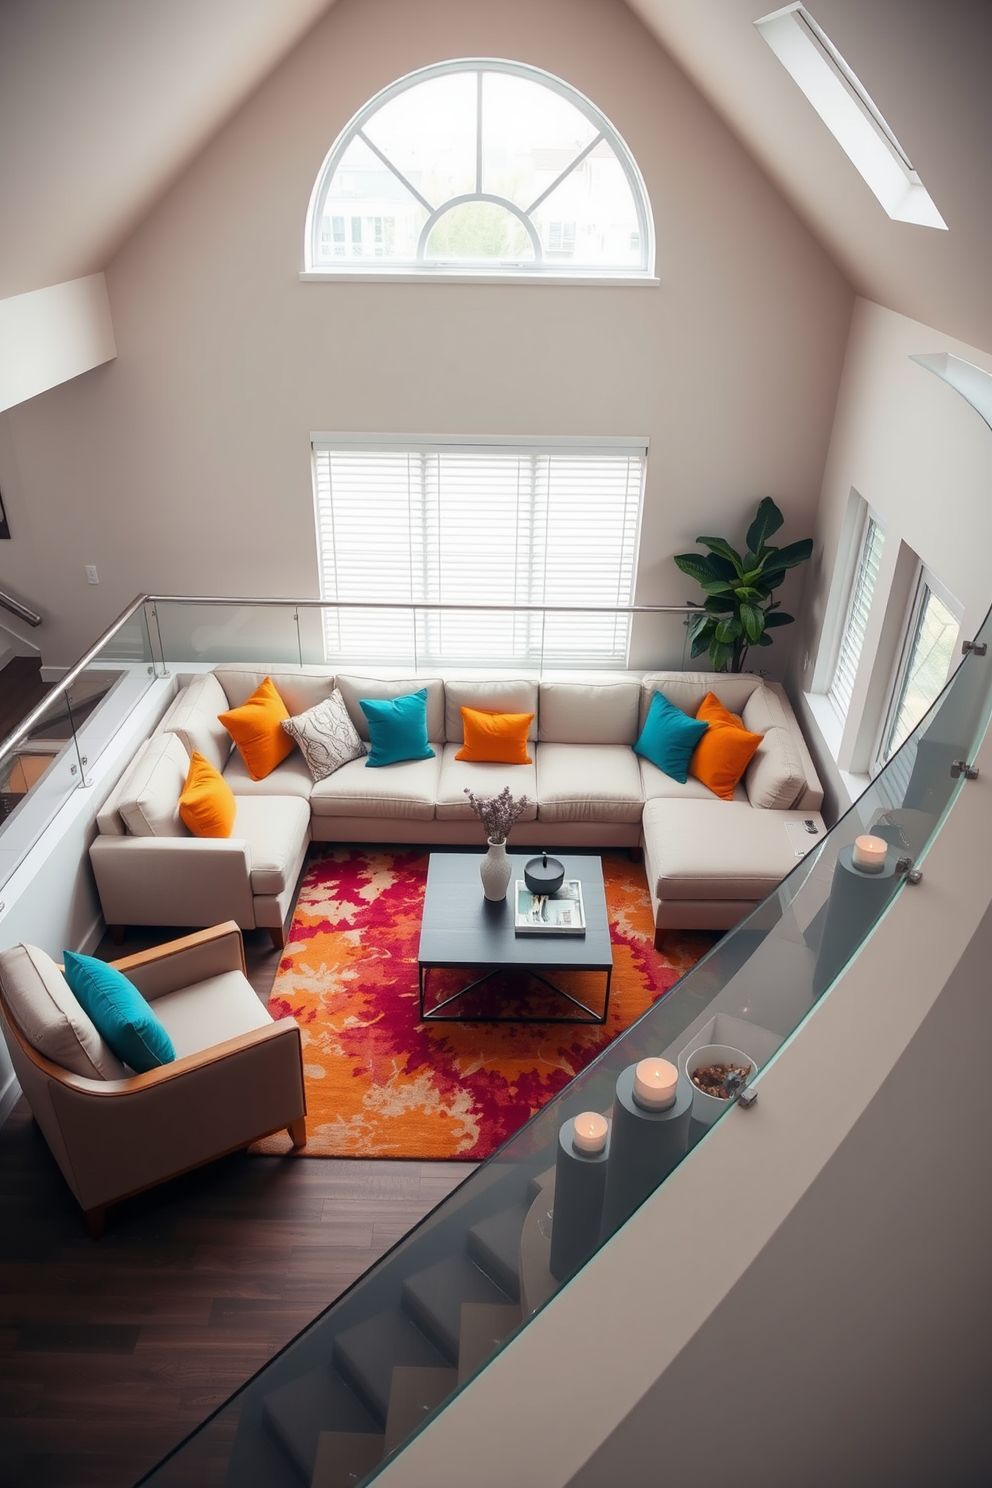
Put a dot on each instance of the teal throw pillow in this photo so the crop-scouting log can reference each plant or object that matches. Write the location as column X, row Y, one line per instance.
column 120, row 1013
column 397, row 728
column 669, row 737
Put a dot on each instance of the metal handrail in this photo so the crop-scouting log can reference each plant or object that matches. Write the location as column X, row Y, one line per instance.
column 8, row 602
column 424, row 604
column 38, row 713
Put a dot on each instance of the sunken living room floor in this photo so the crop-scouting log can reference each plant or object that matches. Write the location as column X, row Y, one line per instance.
column 113, row 1350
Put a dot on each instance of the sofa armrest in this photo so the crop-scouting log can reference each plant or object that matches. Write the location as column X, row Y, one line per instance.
column 122, row 1136
column 180, row 963
column 173, row 880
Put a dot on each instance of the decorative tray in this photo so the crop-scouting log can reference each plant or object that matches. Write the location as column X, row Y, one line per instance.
column 562, row 913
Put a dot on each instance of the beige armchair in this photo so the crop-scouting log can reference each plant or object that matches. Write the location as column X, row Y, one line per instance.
column 237, row 1076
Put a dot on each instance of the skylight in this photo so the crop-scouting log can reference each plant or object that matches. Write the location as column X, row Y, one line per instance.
column 843, row 103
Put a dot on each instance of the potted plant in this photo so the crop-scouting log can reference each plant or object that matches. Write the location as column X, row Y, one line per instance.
column 739, row 610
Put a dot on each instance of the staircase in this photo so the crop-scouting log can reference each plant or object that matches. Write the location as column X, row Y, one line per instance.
column 359, row 1391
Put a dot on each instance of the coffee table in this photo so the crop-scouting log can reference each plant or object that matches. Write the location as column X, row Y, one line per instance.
column 463, row 929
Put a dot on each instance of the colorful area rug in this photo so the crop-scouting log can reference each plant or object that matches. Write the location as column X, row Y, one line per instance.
column 379, row 1082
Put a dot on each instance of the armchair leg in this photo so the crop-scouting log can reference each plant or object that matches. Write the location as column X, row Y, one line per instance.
column 298, row 1132
column 116, row 934
column 278, row 934
column 95, row 1219
column 660, row 936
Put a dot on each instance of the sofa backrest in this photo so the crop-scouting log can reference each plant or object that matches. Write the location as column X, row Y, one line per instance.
column 487, row 695
column 193, row 718
column 589, row 712
column 145, row 801
column 353, row 686
column 300, row 687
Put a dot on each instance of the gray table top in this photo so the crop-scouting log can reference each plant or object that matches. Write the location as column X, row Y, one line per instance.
column 461, row 927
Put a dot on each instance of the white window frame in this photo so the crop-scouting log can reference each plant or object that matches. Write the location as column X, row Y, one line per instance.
column 431, row 577
column 543, row 270
column 849, row 650
column 927, row 582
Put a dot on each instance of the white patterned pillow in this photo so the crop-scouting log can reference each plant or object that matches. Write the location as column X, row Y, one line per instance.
column 326, row 735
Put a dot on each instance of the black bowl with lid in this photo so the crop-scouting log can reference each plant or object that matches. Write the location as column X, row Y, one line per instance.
column 544, row 875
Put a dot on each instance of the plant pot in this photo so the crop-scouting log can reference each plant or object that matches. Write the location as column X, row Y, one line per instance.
column 706, row 1108
column 495, row 870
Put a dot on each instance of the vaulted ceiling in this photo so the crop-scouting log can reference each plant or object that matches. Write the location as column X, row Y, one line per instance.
column 103, row 103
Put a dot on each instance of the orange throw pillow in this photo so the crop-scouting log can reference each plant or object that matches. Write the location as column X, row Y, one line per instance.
column 495, row 738
column 207, row 803
column 256, row 728
column 725, row 750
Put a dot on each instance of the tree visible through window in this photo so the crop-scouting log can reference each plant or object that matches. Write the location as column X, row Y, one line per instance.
column 480, row 166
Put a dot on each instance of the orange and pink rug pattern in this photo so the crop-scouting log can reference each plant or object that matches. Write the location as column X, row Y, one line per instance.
column 381, row 1083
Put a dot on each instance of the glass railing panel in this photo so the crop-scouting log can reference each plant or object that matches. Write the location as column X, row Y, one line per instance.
column 52, row 755
column 201, row 635
column 330, row 1403
column 38, row 773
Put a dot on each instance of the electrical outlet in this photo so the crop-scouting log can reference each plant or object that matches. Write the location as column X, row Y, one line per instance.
column 92, row 577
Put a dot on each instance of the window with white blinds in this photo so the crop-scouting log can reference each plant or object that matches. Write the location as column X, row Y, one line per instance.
column 466, row 522
column 852, row 640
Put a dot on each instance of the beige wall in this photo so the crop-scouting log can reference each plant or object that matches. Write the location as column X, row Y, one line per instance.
column 912, row 448
column 184, row 465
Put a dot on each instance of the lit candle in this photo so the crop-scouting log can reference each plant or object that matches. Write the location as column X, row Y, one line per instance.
column 589, row 1133
column 655, row 1083
column 868, row 854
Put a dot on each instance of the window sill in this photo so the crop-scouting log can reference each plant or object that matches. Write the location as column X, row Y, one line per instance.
column 445, row 276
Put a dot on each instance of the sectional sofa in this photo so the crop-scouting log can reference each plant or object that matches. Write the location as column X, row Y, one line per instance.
column 708, row 861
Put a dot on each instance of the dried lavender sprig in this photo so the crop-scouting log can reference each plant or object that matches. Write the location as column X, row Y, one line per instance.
column 497, row 813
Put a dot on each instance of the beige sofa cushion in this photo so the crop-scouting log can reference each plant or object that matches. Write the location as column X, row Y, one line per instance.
column 657, row 785
column 719, row 849
column 588, row 783
column 299, row 687
column 51, row 1019
column 485, row 780
column 291, row 777
column 489, row 695
column 589, row 712
column 353, row 687
column 148, row 801
column 407, row 790
column 775, row 779
column 193, row 719
column 275, row 828
column 208, row 1012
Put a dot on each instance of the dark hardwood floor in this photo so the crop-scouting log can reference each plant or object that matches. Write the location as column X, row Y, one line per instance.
column 112, row 1350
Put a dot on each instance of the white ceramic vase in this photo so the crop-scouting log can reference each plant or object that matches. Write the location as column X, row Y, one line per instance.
column 495, row 870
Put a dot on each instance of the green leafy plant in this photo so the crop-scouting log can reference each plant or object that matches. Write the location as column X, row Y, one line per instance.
column 739, row 610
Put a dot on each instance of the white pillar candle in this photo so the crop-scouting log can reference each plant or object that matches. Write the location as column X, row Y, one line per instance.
column 655, row 1084
column 868, row 854
column 589, row 1133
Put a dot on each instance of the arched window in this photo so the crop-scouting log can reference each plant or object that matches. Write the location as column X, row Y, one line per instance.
column 480, row 167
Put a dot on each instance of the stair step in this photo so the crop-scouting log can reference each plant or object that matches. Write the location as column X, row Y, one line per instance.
column 345, row 1458
column 433, row 1298
column 318, row 1401
column 484, row 1325
column 494, row 1243
column 367, row 1353
column 414, row 1393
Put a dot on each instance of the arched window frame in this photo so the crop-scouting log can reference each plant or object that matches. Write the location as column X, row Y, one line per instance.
column 539, row 270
